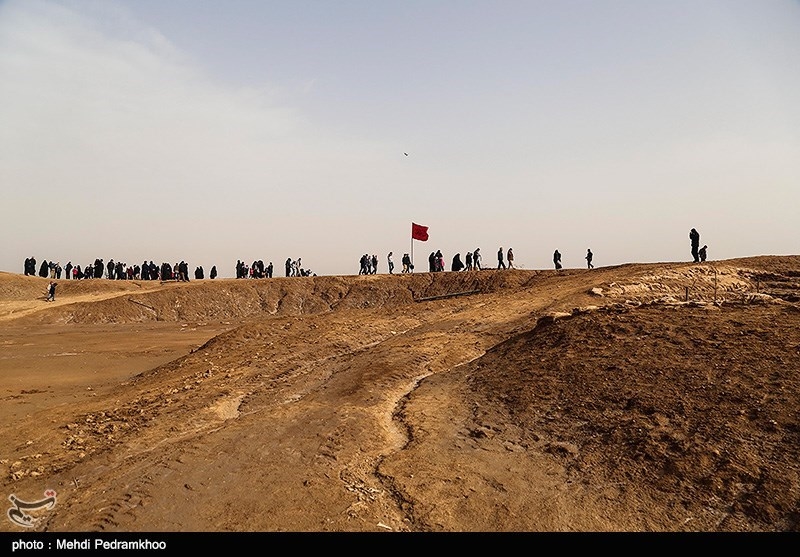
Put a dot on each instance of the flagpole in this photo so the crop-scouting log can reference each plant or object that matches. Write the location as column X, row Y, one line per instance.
column 412, row 243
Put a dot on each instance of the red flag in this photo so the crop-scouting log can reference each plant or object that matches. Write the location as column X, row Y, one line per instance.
column 419, row 232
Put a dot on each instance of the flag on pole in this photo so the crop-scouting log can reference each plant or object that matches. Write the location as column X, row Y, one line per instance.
column 419, row 232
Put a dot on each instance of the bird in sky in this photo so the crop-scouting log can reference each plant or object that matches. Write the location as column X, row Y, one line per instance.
column 406, row 154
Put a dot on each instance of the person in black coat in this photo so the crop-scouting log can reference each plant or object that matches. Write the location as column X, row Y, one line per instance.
column 694, row 237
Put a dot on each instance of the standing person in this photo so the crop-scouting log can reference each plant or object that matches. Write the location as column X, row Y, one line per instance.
column 589, row 256
column 510, row 258
column 702, row 253
column 694, row 236
column 213, row 273
column 500, row 261
column 457, row 265
column 391, row 263
column 468, row 260
column 476, row 259
column 557, row 259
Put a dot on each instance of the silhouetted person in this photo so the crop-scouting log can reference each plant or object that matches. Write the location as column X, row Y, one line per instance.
column 457, row 265
column 476, row 259
column 500, row 261
column 406, row 263
column 510, row 258
column 213, row 273
column 557, row 259
column 589, row 256
column 702, row 253
column 694, row 236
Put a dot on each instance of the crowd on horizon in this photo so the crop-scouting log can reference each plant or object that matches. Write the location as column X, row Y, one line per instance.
column 368, row 265
column 115, row 270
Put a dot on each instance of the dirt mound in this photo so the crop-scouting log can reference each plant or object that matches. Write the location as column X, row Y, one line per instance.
column 679, row 406
column 138, row 301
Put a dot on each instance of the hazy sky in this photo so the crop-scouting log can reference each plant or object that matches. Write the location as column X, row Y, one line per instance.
column 215, row 131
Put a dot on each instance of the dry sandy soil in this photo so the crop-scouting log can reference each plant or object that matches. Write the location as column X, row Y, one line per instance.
column 644, row 397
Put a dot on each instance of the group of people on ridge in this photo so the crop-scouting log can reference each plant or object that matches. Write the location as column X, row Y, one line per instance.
column 368, row 265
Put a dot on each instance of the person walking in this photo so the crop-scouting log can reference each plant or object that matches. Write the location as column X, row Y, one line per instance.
column 51, row 291
column 476, row 259
column 510, row 258
column 557, row 260
column 694, row 237
column 589, row 256
column 406, row 263
column 500, row 260
column 391, row 263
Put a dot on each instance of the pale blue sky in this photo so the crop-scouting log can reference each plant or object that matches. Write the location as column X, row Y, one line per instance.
column 217, row 131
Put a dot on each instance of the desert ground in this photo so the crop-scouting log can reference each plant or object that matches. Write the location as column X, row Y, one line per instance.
column 658, row 397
